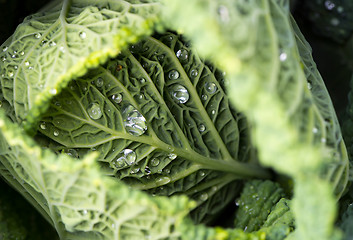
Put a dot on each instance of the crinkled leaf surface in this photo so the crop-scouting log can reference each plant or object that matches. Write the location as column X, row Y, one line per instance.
column 64, row 40
column 77, row 200
column 270, row 75
column 161, row 121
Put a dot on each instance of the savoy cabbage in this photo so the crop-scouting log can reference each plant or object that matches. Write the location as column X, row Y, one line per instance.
column 148, row 119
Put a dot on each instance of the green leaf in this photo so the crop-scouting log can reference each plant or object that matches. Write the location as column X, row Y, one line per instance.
column 62, row 42
column 161, row 121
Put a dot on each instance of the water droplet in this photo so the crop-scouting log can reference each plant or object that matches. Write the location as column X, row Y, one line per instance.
column 315, row 130
column 163, row 180
column 52, row 44
column 182, row 54
column 213, row 112
column 30, row 68
column 94, row 111
column 10, row 73
column 99, row 82
column 43, row 43
column 194, row 73
column 84, row 212
column 128, row 156
column 118, row 162
column 15, row 67
column 172, row 156
column 202, row 128
column 323, row 140
column 22, row 53
column 53, row 91
column 202, row 173
column 211, row 87
column 142, row 80
column 147, row 170
column 283, row 56
column 223, row 13
column 160, row 57
column 71, row 152
column 134, row 121
column 204, row 97
column 37, row 35
column 329, row 5
column 167, row 170
column 173, row 74
column 43, row 125
column 309, row 86
column 56, row 132
column 117, row 98
column 335, row 22
column 203, row 196
column 135, row 169
column 340, row 9
column 3, row 58
column 26, row 63
column 82, row 35
column 154, row 162
column 179, row 93
column 62, row 49
column 4, row 48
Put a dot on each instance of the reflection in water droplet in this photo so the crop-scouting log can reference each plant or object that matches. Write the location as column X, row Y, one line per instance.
column 117, row 98
column 56, row 132
column 99, row 82
column 37, row 35
column 173, row 74
column 118, row 163
column 179, row 93
column 211, row 87
column 128, row 156
column 329, row 5
column 203, row 196
column 134, row 121
column 204, row 97
column 162, row 180
column 94, row 111
column 154, row 162
column 202, row 128
column 172, row 156
column 194, row 73
column 82, row 35
column 4, row 48
column 182, row 54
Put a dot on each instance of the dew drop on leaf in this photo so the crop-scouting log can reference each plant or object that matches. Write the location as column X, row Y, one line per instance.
column 211, row 87
column 71, row 152
column 134, row 121
column 315, row 130
column 202, row 128
column 203, row 196
column 147, row 170
column 10, row 73
column 283, row 56
column 154, row 162
column 4, row 48
column 37, row 35
column 173, row 75
column 172, row 156
column 182, row 54
column 94, row 111
column 99, row 82
column 179, row 93
column 162, row 180
column 118, row 162
column 82, row 35
column 3, row 58
column 142, row 80
column 194, row 73
column 26, row 63
column 43, row 125
column 56, row 132
column 204, row 97
column 135, row 169
column 160, row 57
column 309, row 86
column 167, row 170
column 117, row 98
column 128, row 156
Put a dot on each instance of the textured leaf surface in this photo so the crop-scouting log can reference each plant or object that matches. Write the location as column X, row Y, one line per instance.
column 267, row 79
column 78, row 201
column 169, row 112
column 51, row 47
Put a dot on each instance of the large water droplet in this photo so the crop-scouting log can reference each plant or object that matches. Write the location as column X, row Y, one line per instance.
column 127, row 155
column 135, row 169
column 94, row 111
column 203, row 196
column 182, row 54
column 173, row 74
column 43, row 125
column 162, row 180
column 172, row 156
column 4, row 48
column 202, row 128
column 99, row 82
column 179, row 93
column 194, row 73
column 211, row 87
column 56, row 132
column 154, row 162
column 82, row 35
column 134, row 121
column 117, row 98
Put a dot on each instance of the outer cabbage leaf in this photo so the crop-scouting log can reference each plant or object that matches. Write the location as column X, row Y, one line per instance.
column 294, row 124
column 61, row 42
column 77, row 200
column 161, row 121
